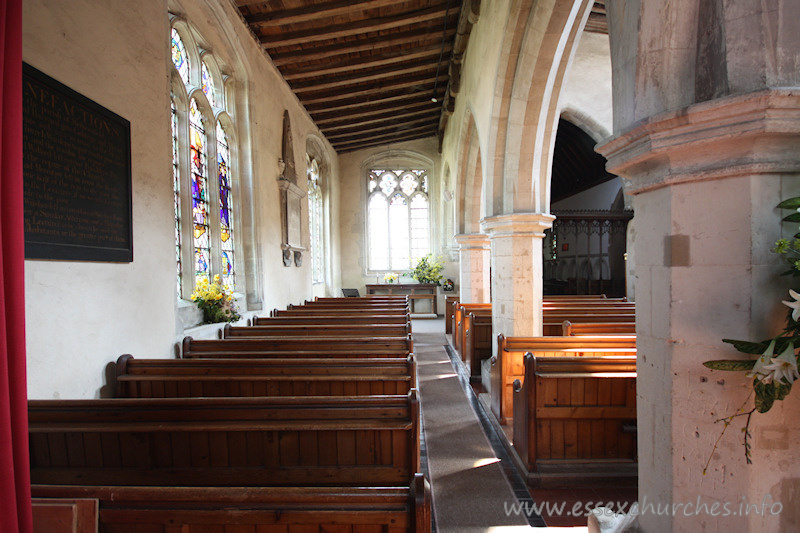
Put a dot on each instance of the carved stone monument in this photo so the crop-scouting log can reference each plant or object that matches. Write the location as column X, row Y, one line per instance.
column 291, row 199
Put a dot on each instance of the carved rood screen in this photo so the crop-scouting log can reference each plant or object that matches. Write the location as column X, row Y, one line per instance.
column 585, row 251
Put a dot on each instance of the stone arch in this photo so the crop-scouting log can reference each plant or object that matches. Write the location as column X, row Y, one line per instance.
column 470, row 206
column 537, row 51
column 588, row 124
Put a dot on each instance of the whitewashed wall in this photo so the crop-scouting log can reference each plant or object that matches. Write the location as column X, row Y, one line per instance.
column 82, row 316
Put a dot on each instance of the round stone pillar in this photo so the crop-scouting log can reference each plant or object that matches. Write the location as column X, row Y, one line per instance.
column 473, row 268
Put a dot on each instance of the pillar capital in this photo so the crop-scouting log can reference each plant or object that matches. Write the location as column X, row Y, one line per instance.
column 517, row 225
column 468, row 241
column 748, row 134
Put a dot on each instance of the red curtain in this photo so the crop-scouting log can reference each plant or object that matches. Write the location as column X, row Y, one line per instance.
column 15, row 497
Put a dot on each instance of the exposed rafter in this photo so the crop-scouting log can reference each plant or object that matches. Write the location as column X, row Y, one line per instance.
column 372, row 72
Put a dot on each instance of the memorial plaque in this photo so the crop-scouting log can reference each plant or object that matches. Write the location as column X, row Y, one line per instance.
column 77, row 175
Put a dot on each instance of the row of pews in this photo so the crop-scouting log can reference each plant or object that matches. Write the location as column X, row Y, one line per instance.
column 305, row 421
column 570, row 395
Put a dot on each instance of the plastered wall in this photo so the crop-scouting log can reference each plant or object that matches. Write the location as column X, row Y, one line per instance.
column 81, row 316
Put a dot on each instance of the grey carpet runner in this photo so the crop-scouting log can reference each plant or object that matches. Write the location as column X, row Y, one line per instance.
column 470, row 491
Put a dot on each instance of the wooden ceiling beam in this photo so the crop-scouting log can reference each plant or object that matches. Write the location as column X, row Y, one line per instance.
column 385, row 130
column 427, row 64
column 423, row 35
column 315, row 12
column 353, row 94
column 361, row 146
column 385, row 111
column 359, row 105
column 392, row 57
column 395, row 119
column 338, row 31
column 375, row 141
column 382, row 133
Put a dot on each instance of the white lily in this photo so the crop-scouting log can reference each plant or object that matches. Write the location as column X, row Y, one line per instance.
column 794, row 305
column 765, row 359
column 783, row 367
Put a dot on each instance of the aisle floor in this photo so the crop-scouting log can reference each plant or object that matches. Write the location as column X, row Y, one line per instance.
column 475, row 485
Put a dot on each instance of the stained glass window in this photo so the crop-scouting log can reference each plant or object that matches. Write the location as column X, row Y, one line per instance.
column 207, row 83
column 200, row 212
column 176, row 187
column 315, row 221
column 207, row 184
column 179, row 57
column 225, row 208
column 398, row 218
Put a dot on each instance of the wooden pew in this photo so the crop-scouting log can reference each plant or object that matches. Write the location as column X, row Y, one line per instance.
column 553, row 325
column 338, row 311
column 367, row 299
column 226, row 442
column 449, row 310
column 461, row 310
column 298, row 346
column 598, row 328
column 124, row 509
column 367, row 331
column 478, row 340
column 185, row 378
column 332, row 320
column 574, row 419
column 507, row 364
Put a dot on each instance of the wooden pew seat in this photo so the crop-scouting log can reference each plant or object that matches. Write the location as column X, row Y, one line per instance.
column 316, row 330
column 125, row 509
column 185, row 378
column 226, row 442
column 574, row 419
column 507, row 364
column 299, row 346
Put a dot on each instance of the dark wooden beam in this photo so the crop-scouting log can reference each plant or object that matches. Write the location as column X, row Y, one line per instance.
column 338, row 31
column 423, row 35
column 429, row 116
column 427, row 64
column 359, row 106
column 314, row 12
column 366, row 143
column 385, row 133
column 353, row 93
column 347, row 105
column 385, row 111
column 392, row 56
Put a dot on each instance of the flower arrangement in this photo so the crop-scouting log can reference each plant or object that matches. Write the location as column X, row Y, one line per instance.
column 428, row 270
column 775, row 369
column 390, row 277
column 215, row 301
column 448, row 285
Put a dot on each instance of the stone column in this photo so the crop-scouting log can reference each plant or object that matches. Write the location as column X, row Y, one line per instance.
column 474, row 261
column 706, row 180
column 516, row 261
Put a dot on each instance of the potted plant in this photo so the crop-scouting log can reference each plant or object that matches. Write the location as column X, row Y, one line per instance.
column 428, row 270
column 215, row 301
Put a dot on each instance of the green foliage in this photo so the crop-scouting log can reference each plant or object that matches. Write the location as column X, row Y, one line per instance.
column 767, row 393
column 729, row 364
column 428, row 270
column 773, row 373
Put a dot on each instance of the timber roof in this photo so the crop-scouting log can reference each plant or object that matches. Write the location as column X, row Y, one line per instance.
column 371, row 72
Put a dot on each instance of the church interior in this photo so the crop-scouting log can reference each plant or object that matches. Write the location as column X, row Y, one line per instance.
column 591, row 184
